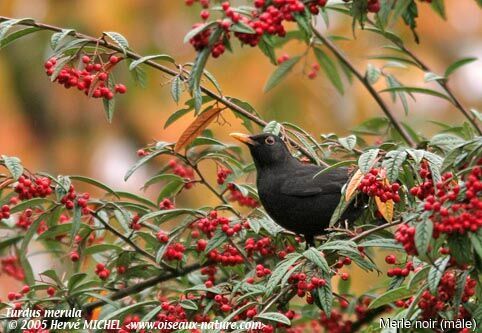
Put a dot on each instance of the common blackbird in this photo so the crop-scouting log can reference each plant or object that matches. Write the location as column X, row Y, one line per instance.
column 289, row 191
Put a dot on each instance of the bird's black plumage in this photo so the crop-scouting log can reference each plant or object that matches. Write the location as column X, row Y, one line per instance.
column 289, row 191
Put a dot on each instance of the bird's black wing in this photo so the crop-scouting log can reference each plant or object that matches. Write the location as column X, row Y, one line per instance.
column 302, row 182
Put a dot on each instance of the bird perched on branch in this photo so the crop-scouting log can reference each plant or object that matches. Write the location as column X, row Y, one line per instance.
column 289, row 191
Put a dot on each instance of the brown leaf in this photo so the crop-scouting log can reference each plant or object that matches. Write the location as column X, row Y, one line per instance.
column 196, row 127
column 352, row 186
column 385, row 208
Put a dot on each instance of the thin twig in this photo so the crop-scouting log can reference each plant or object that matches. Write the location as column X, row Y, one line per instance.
column 338, row 53
column 129, row 241
column 371, row 231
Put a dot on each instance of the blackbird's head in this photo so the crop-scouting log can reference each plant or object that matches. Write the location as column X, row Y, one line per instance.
column 268, row 150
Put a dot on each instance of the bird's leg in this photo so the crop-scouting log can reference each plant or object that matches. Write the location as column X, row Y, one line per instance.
column 310, row 241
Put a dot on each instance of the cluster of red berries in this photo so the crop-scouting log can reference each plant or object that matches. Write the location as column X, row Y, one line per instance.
column 222, row 174
column 431, row 305
column 302, row 285
column 263, row 246
column 12, row 296
column 343, row 262
column 209, row 224
column 230, row 256
column 28, row 188
column 201, row 245
column 171, row 313
column 82, row 200
column 373, row 185
column 223, row 303
column 162, row 236
column 102, row 271
column 166, row 204
column 313, row 73
column 452, row 214
column 130, row 318
column 405, row 235
column 242, row 200
column 174, row 252
column 135, row 225
column 92, row 79
column 398, row 271
column 12, row 267
column 262, row 271
column 210, row 272
column 182, row 171
column 266, row 19
column 426, row 187
column 5, row 212
column 25, row 219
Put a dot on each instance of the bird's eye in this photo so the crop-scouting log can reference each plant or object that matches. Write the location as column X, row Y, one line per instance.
column 269, row 140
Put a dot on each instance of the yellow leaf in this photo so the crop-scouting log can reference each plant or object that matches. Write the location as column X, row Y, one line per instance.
column 352, row 186
column 385, row 208
column 196, row 127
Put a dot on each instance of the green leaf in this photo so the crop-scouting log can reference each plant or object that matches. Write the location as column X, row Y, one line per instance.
column 387, row 243
column 460, row 248
column 436, row 272
column 170, row 190
column 418, row 277
column 317, row 258
column 348, row 142
column 109, row 104
column 141, row 162
column 7, row 25
column 446, row 142
column 476, row 239
column 162, row 177
column 6, row 242
column 95, row 183
column 334, row 166
column 423, row 235
column 273, row 127
column 399, row 9
column 390, row 297
column 435, row 164
column 457, row 64
column 325, row 296
column 329, row 68
column 419, row 91
column 75, row 280
column 372, row 74
column 58, row 37
column 120, row 40
column 176, row 90
column 267, row 48
column 274, row 316
column 14, row 166
column 102, row 248
column 162, row 57
column 188, row 305
column 439, row 7
column 198, row 30
column 280, row 73
column 242, row 27
column 367, row 160
column 279, row 272
column 171, row 213
column 138, row 74
column 392, row 163
column 16, row 35
column 76, row 221
column 31, row 203
column 429, row 77
column 128, row 309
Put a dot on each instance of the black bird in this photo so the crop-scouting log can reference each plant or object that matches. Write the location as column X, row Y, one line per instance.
column 289, row 191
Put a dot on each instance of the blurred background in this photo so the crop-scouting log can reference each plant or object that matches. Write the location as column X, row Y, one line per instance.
column 62, row 132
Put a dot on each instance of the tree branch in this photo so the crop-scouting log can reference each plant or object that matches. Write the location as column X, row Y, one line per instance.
column 398, row 126
column 171, row 72
column 136, row 288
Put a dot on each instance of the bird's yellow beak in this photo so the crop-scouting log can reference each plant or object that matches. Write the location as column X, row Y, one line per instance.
column 243, row 138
